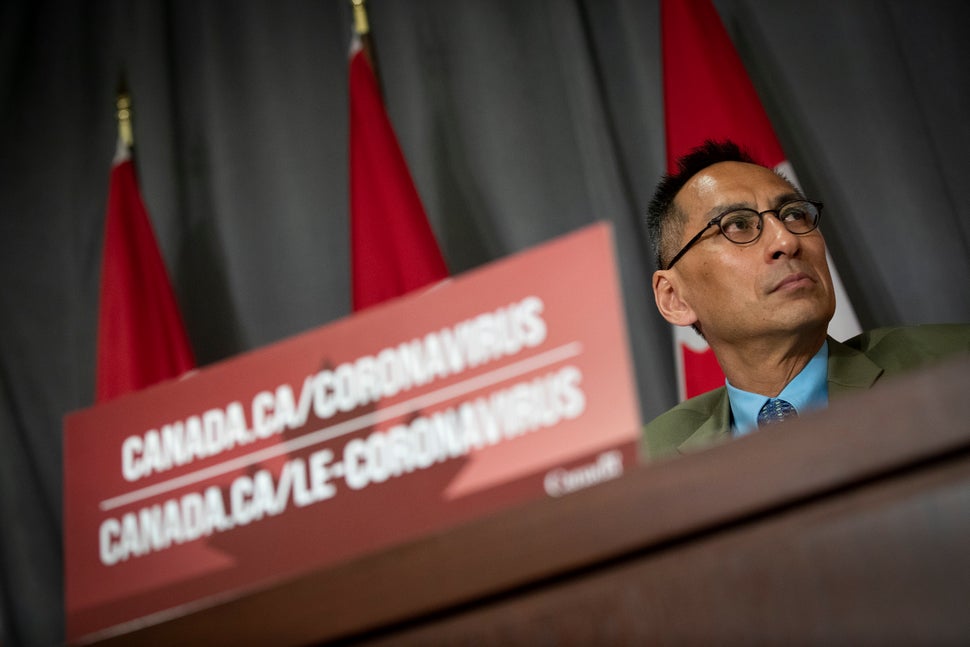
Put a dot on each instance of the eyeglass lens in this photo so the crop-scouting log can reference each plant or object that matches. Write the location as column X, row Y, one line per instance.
column 744, row 225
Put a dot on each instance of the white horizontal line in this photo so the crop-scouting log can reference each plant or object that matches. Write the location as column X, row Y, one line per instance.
column 485, row 380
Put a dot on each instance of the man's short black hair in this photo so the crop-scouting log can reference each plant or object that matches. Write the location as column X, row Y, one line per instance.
column 664, row 224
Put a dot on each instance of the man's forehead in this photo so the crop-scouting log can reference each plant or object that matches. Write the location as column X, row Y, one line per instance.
column 730, row 182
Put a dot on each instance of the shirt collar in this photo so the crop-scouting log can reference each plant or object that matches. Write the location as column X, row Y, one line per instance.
column 807, row 391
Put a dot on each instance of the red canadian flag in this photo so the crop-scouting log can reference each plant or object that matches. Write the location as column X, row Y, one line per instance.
column 393, row 249
column 141, row 338
column 708, row 95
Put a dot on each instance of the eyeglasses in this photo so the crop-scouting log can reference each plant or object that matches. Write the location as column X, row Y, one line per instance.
column 743, row 226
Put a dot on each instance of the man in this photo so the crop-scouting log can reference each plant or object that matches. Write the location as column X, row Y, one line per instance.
column 742, row 261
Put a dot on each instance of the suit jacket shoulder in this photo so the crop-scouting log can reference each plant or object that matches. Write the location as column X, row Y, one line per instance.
column 904, row 348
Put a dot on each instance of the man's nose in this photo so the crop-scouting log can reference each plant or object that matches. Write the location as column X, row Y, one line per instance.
column 779, row 241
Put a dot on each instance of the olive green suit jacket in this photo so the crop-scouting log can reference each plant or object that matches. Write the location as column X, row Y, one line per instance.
column 854, row 365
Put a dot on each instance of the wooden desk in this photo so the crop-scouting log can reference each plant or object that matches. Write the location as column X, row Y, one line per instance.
column 851, row 526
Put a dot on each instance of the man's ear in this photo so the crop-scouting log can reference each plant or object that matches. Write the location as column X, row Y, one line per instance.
column 667, row 294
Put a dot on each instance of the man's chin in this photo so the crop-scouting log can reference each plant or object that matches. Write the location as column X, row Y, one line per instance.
column 809, row 321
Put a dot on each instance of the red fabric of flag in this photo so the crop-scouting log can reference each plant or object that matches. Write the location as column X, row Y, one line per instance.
column 707, row 92
column 393, row 249
column 141, row 337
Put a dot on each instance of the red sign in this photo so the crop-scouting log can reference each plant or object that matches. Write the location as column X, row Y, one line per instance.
column 505, row 384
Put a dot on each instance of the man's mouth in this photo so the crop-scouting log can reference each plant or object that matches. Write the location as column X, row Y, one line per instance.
column 793, row 281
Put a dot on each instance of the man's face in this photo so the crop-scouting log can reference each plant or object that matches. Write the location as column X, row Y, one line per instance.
column 777, row 285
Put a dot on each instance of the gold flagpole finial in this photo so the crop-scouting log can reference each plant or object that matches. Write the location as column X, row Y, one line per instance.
column 123, row 104
column 361, row 27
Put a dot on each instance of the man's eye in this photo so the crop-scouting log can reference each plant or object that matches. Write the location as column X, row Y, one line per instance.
column 738, row 223
column 794, row 214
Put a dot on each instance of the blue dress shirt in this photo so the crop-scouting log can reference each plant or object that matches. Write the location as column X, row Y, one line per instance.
column 809, row 390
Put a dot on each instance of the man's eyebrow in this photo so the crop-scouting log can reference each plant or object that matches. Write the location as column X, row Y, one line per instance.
column 788, row 197
column 717, row 210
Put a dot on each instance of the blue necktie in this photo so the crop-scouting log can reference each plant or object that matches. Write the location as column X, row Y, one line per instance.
column 775, row 410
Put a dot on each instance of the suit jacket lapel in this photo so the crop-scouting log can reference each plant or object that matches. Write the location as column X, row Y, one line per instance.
column 717, row 427
column 850, row 371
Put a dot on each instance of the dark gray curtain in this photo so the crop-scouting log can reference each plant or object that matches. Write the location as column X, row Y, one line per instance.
column 520, row 121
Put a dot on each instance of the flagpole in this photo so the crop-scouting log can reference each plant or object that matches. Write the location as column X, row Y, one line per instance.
column 141, row 338
column 362, row 31
column 393, row 248
column 123, row 105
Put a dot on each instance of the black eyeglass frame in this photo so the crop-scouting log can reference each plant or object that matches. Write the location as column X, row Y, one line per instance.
column 716, row 220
